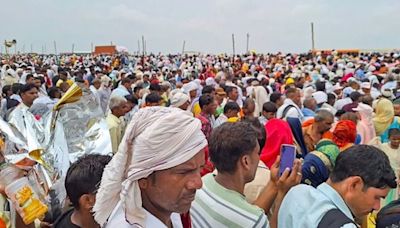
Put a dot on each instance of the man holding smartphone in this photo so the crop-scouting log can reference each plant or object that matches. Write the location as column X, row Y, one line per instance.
column 235, row 152
column 362, row 176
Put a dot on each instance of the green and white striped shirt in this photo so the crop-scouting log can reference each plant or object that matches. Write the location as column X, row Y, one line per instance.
column 216, row 206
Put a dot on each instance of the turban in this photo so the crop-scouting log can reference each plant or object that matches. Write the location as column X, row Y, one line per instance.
column 210, row 81
column 345, row 132
column 179, row 99
column 157, row 138
column 189, row 87
column 320, row 97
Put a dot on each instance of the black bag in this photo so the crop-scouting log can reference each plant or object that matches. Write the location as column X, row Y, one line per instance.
column 286, row 110
column 334, row 218
column 389, row 215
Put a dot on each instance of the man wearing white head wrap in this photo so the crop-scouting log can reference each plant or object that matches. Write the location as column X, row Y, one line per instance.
column 171, row 148
column 180, row 100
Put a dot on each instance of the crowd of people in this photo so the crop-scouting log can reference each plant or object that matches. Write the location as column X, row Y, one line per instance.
column 196, row 139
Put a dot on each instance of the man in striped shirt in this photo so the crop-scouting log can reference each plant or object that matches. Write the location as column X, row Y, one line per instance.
column 234, row 150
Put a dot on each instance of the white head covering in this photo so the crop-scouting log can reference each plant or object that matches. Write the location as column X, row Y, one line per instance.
column 366, row 85
column 210, row 81
column 308, row 91
column 179, row 99
column 320, row 97
column 189, row 87
column 157, row 138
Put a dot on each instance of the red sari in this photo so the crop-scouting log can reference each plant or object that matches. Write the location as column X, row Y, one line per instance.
column 278, row 133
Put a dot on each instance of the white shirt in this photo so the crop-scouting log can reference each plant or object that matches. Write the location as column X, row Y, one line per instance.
column 240, row 96
column 46, row 100
column 117, row 219
column 294, row 112
column 339, row 104
column 220, row 120
column 120, row 91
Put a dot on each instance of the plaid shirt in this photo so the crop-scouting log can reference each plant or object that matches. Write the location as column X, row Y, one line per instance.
column 206, row 127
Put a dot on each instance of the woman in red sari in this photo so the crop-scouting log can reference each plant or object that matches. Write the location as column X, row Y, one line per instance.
column 278, row 133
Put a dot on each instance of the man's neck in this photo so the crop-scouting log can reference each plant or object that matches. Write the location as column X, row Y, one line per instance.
column 232, row 182
column 315, row 133
column 163, row 216
column 115, row 115
column 393, row 147
column 340, row 190
column 83, row 219
column 27, row 105
column 205, row 114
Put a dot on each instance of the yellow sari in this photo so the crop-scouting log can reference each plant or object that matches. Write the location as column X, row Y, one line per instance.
column 384, row 114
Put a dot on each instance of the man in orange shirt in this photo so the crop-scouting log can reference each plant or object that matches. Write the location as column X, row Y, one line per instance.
column 314, row 133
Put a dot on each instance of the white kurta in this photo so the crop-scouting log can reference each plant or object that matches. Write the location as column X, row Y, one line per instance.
column 117, row 219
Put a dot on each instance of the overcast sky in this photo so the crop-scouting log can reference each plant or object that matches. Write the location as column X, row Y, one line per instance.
column 206, row 25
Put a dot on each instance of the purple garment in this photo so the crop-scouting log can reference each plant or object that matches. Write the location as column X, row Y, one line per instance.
column 349, row 107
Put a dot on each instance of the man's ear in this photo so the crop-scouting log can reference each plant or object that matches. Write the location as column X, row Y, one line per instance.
column 143, row 183
column 354, row 184
column 244, row 162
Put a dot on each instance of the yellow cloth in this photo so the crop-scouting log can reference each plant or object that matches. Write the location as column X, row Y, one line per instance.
column 384, row 114
column 289, row 81
column 196, row 110
column 245, row 67
column 233, row 120
column 59, row 82
column 369, row 221
column 115, row 126
column 4, row 215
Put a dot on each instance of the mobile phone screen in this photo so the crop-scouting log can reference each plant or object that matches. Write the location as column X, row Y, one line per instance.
column 288, row 154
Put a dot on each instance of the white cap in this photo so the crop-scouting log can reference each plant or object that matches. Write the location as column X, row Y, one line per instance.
column 320, row 97
column 366, row 85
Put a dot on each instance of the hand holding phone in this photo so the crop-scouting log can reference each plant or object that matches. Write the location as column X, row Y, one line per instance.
column 288, row 154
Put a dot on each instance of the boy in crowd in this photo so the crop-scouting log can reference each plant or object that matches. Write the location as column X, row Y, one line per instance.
column 81, row 183
column 268, row 112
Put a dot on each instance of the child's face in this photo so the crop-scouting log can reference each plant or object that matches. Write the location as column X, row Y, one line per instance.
column 269, row 115
column 395, row 141
column 397, row 109
column 232, row 113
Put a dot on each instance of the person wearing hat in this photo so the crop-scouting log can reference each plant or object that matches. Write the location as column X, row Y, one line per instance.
column 191, row 90
column 365, row 88
column 180, row 100
column 156, row 172
column 220, row 98
column 337, row 90
column 365, row 125
column 387, row 93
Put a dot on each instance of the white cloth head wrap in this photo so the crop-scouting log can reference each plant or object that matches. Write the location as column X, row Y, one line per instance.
column 179, row 99
column 157, row 138
column 320, row 97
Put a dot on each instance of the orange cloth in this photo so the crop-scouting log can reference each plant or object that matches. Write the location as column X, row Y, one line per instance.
column 309, row 122
column 345, row 132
